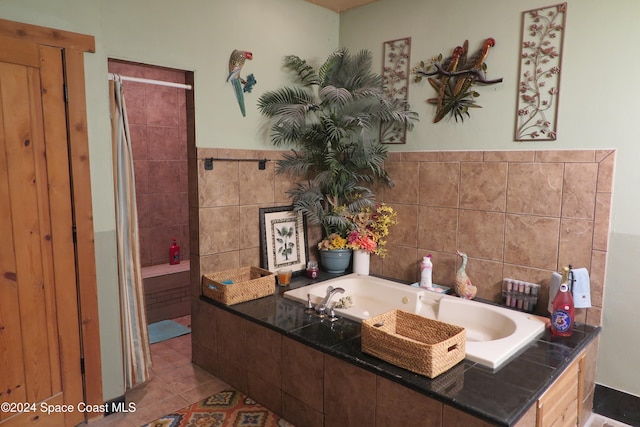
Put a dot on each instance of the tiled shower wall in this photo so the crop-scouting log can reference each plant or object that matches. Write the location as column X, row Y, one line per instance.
column 157, row 124
column 518, row 214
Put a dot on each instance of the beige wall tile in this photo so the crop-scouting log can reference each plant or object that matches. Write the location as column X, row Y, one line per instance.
column 486, row 276
column 509, row 156
column 236, row 153
column 579, row 191
column 596, row 277
column 404, row 232
column 204, row 152
column 444, row 267
column 580, row 315
column 218, row 262
column 220, row 186
column 532, row 241
column 219, row 229
column 461, row 156
column 394, row 156
column 249, row 257
column 376, row 265
column 420, row 156
column 535, row 188
column 602, row 154
column 566, row 156
column 605, row 173
column 483, row 186
column 439, row 183
column 406, row 184
column 249, row 226
column 594, row 316
column 401, row 262
column 481, row 234
column 256, row 186
column 576, row 236
column 437, row 228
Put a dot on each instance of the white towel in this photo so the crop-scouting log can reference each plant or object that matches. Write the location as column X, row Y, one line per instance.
column 581, row 288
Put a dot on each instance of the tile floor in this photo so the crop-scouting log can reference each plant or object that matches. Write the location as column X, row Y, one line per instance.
column 177, row 383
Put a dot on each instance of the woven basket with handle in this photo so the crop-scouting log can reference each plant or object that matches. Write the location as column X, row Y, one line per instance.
column 415, row 343
column 238, row 285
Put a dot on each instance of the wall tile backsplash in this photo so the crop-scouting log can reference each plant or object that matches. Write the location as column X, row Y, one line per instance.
column 517, row 214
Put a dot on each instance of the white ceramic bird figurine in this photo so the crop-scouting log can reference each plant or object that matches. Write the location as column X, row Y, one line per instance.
column 464, row 288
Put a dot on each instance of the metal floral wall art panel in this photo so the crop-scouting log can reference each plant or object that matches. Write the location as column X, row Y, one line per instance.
column 540, row 67
column 395, row 78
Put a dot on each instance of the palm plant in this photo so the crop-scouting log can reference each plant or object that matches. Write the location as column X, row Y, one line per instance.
column 331, row 118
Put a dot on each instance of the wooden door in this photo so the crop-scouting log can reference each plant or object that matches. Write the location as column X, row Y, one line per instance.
column 40, row 356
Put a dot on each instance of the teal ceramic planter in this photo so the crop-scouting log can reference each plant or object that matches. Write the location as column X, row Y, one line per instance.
column 335, row 261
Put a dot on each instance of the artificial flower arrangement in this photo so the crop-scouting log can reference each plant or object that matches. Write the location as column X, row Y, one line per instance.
column 366, row 230
column 333, row 242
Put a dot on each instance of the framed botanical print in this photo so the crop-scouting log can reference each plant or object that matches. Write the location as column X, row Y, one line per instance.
column 283, row 239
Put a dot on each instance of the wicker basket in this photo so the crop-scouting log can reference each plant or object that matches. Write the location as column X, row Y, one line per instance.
column 416, row 343
column 248, row 283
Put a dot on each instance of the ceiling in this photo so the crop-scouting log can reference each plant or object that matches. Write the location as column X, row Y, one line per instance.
column 340, row 5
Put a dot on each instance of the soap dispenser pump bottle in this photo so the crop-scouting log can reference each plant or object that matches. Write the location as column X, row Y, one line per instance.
column 563, row 309
column 174, row 253
column 426, row 270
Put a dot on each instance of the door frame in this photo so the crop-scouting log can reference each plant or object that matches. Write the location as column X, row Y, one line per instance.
column 74, row 45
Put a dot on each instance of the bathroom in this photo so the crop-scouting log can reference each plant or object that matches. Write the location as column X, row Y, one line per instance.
column 596, row 129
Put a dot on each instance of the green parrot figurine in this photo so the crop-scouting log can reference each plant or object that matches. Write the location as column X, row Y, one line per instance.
column 236, row 61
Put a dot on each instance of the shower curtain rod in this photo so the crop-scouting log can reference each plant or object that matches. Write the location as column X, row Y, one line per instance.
column 151, row 82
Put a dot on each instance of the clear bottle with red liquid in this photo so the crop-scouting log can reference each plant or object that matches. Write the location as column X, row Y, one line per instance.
column 563, row 310
column 174, row 253
column 312, row 270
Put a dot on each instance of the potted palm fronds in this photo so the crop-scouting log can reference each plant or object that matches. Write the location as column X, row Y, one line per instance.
column 330, row 118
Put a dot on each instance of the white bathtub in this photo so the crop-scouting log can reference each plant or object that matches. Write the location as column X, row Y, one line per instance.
column 494, row 334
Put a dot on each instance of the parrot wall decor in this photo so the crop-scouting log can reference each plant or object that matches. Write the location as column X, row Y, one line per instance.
column 240, row 85
column 456, row 76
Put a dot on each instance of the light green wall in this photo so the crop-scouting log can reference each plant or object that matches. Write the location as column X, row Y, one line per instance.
column 597, row 105
column 194, row 35
column 597, row 109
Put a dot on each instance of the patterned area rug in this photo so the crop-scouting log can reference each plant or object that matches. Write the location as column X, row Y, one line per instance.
column 228, row 408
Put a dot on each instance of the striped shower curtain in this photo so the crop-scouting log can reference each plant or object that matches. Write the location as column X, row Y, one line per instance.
column 137, row 356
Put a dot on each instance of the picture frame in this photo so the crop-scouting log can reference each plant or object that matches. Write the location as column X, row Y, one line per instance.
column 283, row 239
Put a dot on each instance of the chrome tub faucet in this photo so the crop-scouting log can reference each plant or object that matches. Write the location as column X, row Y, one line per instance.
column 321, row 308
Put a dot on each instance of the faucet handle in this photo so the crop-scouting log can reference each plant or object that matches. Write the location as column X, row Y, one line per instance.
column 309, row 305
